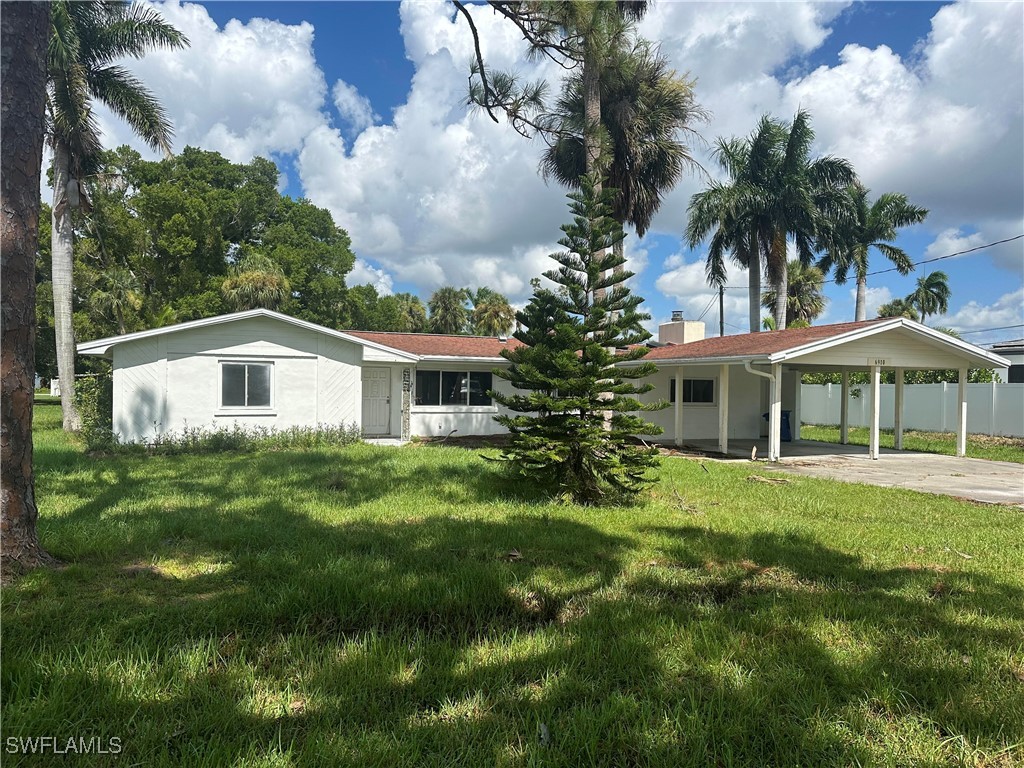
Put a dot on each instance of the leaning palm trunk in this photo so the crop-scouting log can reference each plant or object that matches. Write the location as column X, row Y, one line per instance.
column 780, row 281
column 61, row 245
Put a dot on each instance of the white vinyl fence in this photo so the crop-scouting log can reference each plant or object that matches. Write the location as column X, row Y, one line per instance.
column 992, row 409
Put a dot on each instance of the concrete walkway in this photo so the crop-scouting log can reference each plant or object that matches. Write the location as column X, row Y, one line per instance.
column 992, row 482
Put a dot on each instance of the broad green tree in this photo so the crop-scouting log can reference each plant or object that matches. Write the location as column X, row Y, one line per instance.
column 119, row 293
column 448, row 311
column 87, row 40
column 864, row 226
column 576, row 409
column 931, row 297
column 806, row 300
column 23, row 34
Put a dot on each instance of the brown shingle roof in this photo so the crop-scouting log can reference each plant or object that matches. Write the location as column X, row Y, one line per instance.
column 756, row 344
column 439, row 345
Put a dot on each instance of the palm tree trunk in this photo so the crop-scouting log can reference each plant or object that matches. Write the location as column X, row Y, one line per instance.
column 862, row 298
column 754, row 282
column 25, row 30
column 781, row 279
column 591, row 130
column 61, row 246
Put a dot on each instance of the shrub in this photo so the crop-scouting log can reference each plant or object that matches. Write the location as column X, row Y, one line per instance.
column 239, row 439
column 95, row 395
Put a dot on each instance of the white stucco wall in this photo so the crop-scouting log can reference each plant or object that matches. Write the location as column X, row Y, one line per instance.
column 700, row 422
column 173, row 381
column 440, row 420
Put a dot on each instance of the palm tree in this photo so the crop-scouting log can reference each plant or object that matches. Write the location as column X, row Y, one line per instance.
column 413, row 313
column 899, row 308
column 796, row 197
column 256, row 281
column 492, row 314
column 86, row 38
column 448, row 313
column 868, row 226
column 645, row 106
column 805, row 301
column 723, row 210
column 121, row 291
column 931, row 297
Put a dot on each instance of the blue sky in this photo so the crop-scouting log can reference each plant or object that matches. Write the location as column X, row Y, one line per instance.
column 361, row 106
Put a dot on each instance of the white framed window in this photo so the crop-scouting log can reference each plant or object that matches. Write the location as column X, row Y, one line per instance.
column 695, row 391
column 246, row 385
column 454, row 388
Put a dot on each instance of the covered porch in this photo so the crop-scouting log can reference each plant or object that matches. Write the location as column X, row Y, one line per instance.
column 725, row 384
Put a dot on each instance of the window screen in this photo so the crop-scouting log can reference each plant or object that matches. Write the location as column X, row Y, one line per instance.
column 694, row 390
column 428, row 388
column 245, row 385
column 479, row 385
column 453, row 387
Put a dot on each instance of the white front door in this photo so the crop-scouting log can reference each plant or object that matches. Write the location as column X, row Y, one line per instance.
column 376, row 401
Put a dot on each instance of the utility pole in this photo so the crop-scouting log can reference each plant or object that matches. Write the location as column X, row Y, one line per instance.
column 721, row 310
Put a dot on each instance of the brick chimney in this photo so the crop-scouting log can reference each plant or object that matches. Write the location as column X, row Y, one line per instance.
column 680, row 331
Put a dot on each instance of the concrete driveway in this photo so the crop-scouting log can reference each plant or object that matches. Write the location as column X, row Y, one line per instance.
column 992, row 482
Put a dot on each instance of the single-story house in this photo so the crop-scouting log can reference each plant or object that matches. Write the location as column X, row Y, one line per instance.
column 1013, row 351
column 268, row 369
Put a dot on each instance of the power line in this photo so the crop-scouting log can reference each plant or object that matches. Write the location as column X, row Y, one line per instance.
column 916, row 263
column 986, row 330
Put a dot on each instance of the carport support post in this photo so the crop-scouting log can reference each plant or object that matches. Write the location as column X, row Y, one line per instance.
column 897, row 415
column 775, row 415
column 875, row 402
column 844, row 410
column 679, row 407
column 961, row 413
column 723, row 409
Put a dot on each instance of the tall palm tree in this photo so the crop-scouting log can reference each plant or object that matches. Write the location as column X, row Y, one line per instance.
column 797, row 196
column 86, row 38
column 866, row 226
column 806, row 300
column 645, row 106
column 448, row 313
column 931, row 297
column 492, row 314
column 256, row 281
column 737, row 211
column 723, row 210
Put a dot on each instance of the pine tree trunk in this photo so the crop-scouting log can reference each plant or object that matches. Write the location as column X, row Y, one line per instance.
column 781, row 279
column 62, row 248
column 23, row 39
column 862, row 297
column 591, row 77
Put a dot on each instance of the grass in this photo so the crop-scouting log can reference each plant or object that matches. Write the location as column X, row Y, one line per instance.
column 405, row 607
column 978, row 446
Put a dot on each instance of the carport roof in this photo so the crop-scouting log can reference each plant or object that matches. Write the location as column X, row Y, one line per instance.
column 779, row 346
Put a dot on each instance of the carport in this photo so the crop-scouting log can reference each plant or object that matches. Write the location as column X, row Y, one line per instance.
column 776, row 359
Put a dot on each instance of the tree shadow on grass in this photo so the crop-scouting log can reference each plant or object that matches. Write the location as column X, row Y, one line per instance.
column 300, row 622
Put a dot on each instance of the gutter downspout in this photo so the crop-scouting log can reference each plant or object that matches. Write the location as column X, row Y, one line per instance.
column 773, row 419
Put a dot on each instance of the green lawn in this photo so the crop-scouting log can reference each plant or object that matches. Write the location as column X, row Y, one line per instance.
column 407, row 607
column 978, row 446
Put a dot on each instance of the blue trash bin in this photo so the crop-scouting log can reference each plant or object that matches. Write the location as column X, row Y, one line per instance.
column 787, row 432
